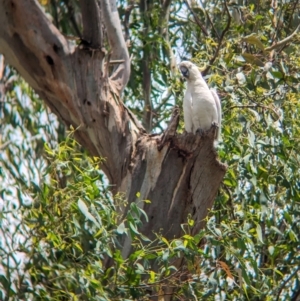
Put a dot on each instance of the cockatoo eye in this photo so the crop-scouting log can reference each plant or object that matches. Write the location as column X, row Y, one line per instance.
column 185, row 71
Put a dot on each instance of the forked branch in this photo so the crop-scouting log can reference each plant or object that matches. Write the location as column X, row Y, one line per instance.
column 284, row 41
column 117, row 42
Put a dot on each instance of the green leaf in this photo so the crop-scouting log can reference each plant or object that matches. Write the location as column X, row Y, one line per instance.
column 292, row 235
column 276, row 230
column 259, row 233
column 140, row 269
column 152, row 277
column 254, row 40
column 165, row 241
column 277, row 74
column 133, row 228
column 166, row 255
column 85, row 211
column 253, row 60
column 271, row 250
column 121, row 228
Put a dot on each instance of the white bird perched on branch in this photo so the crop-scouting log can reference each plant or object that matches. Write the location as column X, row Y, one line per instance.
column 201, row 106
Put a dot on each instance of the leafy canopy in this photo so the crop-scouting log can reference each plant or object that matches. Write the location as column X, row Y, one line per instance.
column 61, row 232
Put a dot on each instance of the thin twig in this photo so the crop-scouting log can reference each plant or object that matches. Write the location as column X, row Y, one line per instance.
column 2, row 66
column 286, row 281
column 212, row 60
column 4, row 145
column 116, row 62
column 296, row 295
column 167, row 48
column 127, row 14
column 164, row 100
column 72, row 18
column 275, row 20
column 293, row 10
column 230, row 201
column 199, row 23
column 252, row 106
column 212, row 25
column 284, row 41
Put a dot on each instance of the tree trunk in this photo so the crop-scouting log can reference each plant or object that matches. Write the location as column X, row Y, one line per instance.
column 179, row 174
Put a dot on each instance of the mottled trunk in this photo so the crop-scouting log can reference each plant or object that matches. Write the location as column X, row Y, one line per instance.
column 180, row 174
column 180, row 179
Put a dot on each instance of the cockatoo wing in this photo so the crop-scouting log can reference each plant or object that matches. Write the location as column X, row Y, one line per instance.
column 204, row 105
column 187, row 112
column 219, row 111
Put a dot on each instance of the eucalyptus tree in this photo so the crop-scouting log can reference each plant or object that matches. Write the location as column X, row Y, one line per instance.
column 77, row 84
column 78, row 57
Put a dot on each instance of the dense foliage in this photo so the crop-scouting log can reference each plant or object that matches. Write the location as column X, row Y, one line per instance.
column 61, row 232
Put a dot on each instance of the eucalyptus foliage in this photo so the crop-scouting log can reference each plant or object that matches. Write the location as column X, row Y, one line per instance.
column 61, row 230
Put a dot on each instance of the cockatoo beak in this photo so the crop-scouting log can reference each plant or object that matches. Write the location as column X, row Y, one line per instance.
column 184, row 71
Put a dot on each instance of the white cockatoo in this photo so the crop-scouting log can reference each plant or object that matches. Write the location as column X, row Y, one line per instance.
column 201, row 106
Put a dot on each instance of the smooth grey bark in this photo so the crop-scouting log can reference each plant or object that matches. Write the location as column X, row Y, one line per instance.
column 145, row 7
column 91, row 19
column 180, row 174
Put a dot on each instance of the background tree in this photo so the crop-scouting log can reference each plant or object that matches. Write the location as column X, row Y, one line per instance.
column 250, row 243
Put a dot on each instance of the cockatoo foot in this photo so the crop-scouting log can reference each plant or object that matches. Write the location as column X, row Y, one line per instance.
column 215, row 125
column 200, row 132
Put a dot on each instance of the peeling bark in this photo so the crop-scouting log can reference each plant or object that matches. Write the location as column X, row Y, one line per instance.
column 180, row 174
